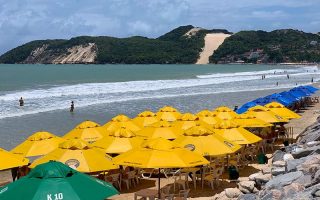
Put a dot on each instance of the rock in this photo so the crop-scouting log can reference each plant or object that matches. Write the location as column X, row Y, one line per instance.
column 283, row 180
column 232, row 192
column 244, row 190
column 305, row 180
column 316, row 178
column 279, row 163
column 266, row 170
column 292, row 164
column 313, row 143
column 262, row 179
column 287, row 157
column 249, row 185
column 275, row 171
column 316, row 193
column 247, row 197
column 290, row 190
column 273, row 195
column 221, row 196
column 255, row 190
column 278, row 155
column 311, row 165
column 252, row 177
column 300, row 152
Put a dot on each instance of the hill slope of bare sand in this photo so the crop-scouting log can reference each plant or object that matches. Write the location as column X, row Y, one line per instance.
column 211, row 42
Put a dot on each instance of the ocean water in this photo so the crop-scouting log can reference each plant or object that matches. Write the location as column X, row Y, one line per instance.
column 103, row 91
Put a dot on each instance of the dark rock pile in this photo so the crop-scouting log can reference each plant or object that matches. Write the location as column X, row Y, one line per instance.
column 294, row 173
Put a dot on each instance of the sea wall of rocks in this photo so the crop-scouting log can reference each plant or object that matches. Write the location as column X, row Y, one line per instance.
column 293, row 174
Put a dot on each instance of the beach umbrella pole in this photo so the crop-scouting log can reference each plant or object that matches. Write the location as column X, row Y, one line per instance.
column 159, row 193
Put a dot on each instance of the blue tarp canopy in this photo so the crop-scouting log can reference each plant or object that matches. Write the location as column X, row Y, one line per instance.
column 245, row 107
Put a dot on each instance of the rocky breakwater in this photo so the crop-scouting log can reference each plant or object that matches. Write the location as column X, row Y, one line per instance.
column 294, row 173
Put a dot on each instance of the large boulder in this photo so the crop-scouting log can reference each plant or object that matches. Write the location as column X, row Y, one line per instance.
column 277, row 155
column 291, row 165
column 273, row 194
column 261, row 179
column 232, row 192
column 287, row 157
column 283, row 180
column 275, row 171
column 305, row 180
column 316, row 178
column 246, row 186
column 311, row 165
column 247, row 197
column 291, row 189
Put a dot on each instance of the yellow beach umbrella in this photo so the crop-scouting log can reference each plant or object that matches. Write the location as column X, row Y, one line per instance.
column 120, row 141
column 208, row 117
column 188, row 120
column 160, row 129
column 282, row 111
column 88, row 131
column 9, row 160
column 250, row 121
column 160, row 153
column 38, row 144
column 168, row 113
column 121, row 121
column 224, row 112
column 235, row 133
column 205, row 142
column 145, row 118
column 265, row 114
column 79, row 155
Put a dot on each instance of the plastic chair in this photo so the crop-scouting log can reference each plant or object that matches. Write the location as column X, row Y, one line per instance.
column 181, row 180
column 165, row 193
column 130, row 179
column 183, row 195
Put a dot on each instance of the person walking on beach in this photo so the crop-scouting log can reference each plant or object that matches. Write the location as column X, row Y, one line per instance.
column 21, row 102
column 312, row 80
column 288, row 76
column 72, row 106
column 235, row 108
column 277, row 83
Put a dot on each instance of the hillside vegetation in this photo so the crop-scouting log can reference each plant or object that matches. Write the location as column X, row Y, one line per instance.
column 173, row 47
column 269, row 47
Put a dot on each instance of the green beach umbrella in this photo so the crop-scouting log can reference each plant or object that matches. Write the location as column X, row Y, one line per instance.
column 56, row 181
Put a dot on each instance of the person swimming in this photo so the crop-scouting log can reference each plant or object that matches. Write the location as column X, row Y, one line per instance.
column 72, row 106
column 21, row 102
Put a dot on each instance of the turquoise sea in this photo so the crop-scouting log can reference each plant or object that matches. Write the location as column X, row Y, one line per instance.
column 103, row 91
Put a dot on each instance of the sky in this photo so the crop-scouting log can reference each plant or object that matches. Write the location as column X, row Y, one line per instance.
column 22, row 21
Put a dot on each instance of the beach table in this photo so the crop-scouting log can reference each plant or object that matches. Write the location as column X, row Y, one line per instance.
column 192, row 170
column 146, row 193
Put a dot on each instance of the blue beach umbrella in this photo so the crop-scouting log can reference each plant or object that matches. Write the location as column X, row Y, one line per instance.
column 245, row 107
column 261, row 101
column 289, row 96
column 279, row 98
column 299, row 93
column 311, row 88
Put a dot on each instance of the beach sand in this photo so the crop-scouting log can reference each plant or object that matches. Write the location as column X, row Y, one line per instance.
column 211, row 43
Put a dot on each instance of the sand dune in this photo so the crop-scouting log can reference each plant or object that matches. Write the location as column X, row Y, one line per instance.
column 212, row 42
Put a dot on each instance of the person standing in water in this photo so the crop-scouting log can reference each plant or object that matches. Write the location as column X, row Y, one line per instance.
column 21, row 102
column 312, row 80
column 72, row 106
column 288, row 76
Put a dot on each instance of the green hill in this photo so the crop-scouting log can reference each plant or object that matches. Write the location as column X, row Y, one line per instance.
column 173, row 47
column 269, row 47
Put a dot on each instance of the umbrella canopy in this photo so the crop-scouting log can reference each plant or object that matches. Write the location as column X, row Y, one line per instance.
column 278, row 98
column 310, row 88
column 120, row 141
column 79, row 155
column 9, row 160
column 250, row 121
column 205, row 142
column 160, row 153
column 38, row 144
column 282, row 111
column 263, row 113
column 88, row 131
column 224, row 112
column 245, row 107
column 162, row 129
column 121, row 121
column 56, row 181
column 188, row 120
column 296, row 92
column 289, row 96
column 235, row 133
column 208, row 117
column 261, row 101
column 145, row 118
column 168, row 113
